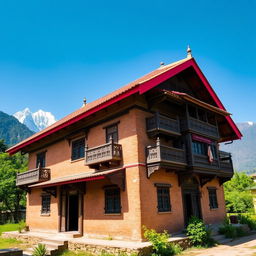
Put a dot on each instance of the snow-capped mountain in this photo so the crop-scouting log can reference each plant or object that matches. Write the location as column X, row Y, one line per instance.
column 36, row 121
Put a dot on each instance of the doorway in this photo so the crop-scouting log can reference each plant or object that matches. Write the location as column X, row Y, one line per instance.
column 191, row 198
column 72, row 212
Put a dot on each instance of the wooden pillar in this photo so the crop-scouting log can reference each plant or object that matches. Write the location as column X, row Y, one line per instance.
column 80, row 212
column 63, row 200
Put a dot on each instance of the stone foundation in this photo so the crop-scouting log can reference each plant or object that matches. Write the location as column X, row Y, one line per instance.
column 73, row 245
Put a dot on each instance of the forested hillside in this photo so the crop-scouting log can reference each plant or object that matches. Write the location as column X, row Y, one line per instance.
column 11, row 130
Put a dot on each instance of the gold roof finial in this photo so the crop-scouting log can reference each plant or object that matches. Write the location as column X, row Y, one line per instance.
column 189, row 52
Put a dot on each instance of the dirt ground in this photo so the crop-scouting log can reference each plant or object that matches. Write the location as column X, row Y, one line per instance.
column 244, row 246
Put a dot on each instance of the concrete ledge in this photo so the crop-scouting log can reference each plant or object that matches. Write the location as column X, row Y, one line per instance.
column 11, row 252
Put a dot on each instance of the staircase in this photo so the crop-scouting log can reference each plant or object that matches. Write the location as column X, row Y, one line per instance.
column 53, row 247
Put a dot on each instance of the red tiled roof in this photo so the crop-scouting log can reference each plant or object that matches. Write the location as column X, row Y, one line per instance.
column 140, row 85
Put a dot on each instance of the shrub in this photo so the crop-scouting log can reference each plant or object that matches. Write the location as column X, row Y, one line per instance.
column 231, row 231
column 198, row 233
column 161, row 245
column 40, row 250
column 246, row 219
column 21, row 226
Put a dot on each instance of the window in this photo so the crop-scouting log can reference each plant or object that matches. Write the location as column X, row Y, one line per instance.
column 163, row 198
column 46, row 203
column 78, row 147
column 213, row 203
column 40, row 159
column 112, row 132
column 199, row 148
column 112, row 200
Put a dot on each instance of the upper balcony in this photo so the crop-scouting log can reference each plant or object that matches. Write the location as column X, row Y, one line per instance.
column 223, row 163
column 33, row 176
column 165, row 156
column 200, row 127
column 106, row 155
column 161, row 124
column 226, row 164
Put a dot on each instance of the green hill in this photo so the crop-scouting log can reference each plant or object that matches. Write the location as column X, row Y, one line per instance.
column 11, row 130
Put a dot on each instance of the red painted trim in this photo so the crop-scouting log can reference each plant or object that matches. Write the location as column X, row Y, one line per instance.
column 142, row 88
column 215, row 98
column 147, row 85
column 134, row 165
column 71, row 181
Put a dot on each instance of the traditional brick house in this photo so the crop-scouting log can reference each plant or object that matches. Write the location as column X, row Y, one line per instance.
column 146, row 154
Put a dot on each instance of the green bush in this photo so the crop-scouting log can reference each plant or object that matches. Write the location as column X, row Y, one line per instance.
column 161, row 245
column 40, row 250
column 231, row 231
column 198, row 233
column 247, row 219
column 21, row 226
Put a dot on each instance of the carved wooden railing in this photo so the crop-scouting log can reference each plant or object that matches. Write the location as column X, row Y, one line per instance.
column 223, row 163
column 109, row 152
column 159, row 123
column 226, row 161
column 165, row 154
column 203, row 161
column 33, row 176
column 200, row 127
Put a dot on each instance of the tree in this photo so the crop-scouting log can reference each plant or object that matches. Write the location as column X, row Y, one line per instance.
column 12, row 198
column 3, row 147
column 238, row 196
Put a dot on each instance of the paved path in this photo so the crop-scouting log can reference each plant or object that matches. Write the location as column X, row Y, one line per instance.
column 244, row 246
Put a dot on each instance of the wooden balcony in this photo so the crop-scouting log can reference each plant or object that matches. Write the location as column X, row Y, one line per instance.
column 200, row 127
column 223, row 164
column 164, row 156
column 106, row 155
column 33, row 176
column 226, row 164
column 160, row 124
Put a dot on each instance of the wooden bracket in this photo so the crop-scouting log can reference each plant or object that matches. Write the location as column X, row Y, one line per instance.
column 152, row 169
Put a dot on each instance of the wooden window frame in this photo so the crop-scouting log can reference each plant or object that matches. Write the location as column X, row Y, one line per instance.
column 213, row 199
column 112, row 200
column 163, row 197
column 38, row 160
column 107, row 135
column 80, row 155
column 45, row 204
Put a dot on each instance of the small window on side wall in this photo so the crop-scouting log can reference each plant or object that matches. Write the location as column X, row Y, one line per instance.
column 112, row 132
column 40, row 159
column 112, row 200
column 78, row 147
column 163, row 197
column 213, row 202
column 46, row 204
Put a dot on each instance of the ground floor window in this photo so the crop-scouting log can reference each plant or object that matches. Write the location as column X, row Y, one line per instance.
column 163, row 197
column 213, row 202
column 46, row 204
column 112, row 200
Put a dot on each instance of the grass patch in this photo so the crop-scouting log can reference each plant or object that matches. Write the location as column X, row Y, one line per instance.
column 9, row 243
column 8, row 227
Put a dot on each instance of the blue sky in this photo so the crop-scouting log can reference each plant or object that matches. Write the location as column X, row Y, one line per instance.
column 55, row 53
